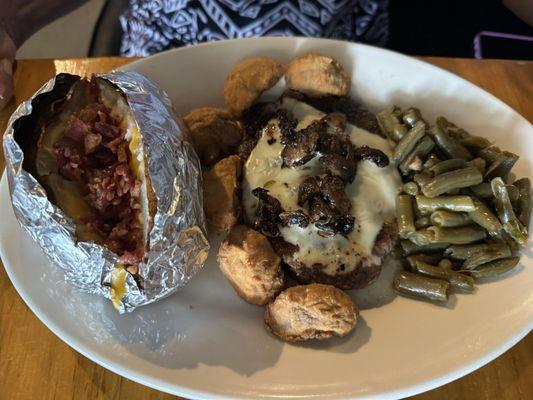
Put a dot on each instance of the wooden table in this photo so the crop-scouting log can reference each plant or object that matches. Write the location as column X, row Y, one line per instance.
column 35, row 364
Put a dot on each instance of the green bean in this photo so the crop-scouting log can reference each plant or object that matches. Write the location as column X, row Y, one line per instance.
column 505, row 211
column 410, row 188
column 448, row 219
column 431, row 161
column 409, row 247
column 483, row 190
column 501, row 166
column 422, row 222
column 404, row 215
column 456, row 279
column 478, row 163
column 451, row 203
column 390, row 125
column 453, row 130
column 414, row 160
column 489, row 154
column 493, row 253
column 422, row 178
column 420, row 286
column 494, row 268
column 476, row 142
column 408, row 142
column 448, row 165
column 427, row 258
column 462, row 252
column 411, row 116
column 449, row 146
column 457, row 179
column 484, row 217
column 445, row 264
column 524, row 200
column 422, row 237
column 461, row 235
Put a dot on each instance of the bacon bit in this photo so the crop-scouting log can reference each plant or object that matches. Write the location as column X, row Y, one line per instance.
column 97, row 159
column 91, row 142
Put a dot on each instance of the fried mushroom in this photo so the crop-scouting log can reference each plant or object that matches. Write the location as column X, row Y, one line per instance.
column 221, row 185
column 251, row 266
column 317, row 75
column 215, row 134
column 248, row 80
column 313, row 311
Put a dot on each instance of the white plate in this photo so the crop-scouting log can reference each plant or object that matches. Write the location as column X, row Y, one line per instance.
column 206, row 342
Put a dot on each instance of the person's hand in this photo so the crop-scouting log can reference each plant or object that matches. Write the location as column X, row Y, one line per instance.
column 7, row 57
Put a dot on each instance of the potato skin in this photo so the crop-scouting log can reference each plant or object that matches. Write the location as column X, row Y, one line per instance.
column 314, row 311
column 317, row 75
column 251, row 266
column 221, row 193
column 248, row 79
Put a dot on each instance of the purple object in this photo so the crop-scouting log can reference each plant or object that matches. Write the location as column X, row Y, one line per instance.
column 477, row 40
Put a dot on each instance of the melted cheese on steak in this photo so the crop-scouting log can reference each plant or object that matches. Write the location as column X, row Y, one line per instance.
column 372, row 193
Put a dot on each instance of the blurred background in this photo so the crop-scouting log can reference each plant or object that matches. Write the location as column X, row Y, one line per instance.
column 466, row 28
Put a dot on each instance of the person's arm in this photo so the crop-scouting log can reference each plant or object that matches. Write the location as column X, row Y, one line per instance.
column 20, row 19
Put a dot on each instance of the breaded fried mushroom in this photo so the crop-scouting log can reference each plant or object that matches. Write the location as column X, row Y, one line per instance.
column 251, row 266
column 215, row 134
column 312, row 311
column 221, row 184
column 317, row 75
column 248, row 79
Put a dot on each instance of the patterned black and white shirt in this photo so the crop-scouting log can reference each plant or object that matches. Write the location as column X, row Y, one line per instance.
column 151, row 26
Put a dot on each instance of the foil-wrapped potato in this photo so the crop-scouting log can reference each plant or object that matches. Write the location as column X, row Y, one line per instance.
column 104, row 180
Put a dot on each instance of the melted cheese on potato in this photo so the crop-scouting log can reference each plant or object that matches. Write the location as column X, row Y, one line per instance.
column 372, row 193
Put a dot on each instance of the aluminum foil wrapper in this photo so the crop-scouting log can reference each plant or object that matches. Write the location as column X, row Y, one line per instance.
column 178, row 243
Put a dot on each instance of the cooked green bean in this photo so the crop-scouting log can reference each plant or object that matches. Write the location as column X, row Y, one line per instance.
column 514, row 193
column 524, row 200
column 413, row 162
column 501, row 166
column 411, row 116
column 408, row 142
column 493, row 253
column 431, row 161
column 483, row 190
column 422, row 237
column 462, row 252
column 404, row 215
column 457, row 179
column 427, row 258
column 420, row 286
column 449, row 219
column 505, row 211
column 422, row 222
column 449, row 146
column 484, row 217
column 476, row 142
column 494, row 268
column 489, row 154
column 445, row 263
column 453, row 130
column 409, row 247
column 461, row 235
column 390, row 125
column 456, row 279
column 451, row 203
column 478, row 163
column 410, row 188
column 422, row 178
column 448, row 165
